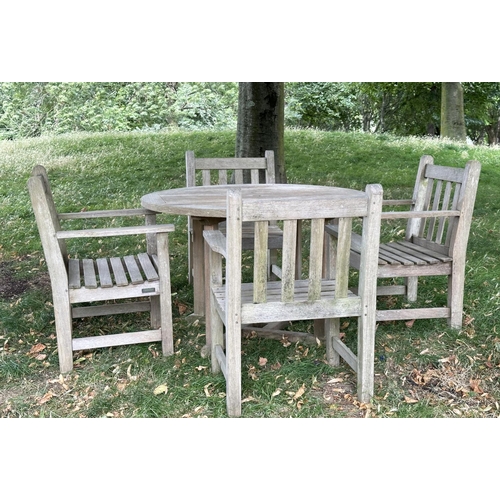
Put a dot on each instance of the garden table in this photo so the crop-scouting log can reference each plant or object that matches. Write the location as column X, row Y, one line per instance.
column 207, row 207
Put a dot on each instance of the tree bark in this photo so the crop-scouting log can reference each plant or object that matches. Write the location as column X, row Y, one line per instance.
column 452, row 111
column 261, row 123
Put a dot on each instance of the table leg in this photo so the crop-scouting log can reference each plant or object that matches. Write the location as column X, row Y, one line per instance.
column 201, row 282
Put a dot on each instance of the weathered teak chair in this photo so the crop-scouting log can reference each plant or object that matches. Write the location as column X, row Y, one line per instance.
column 237, row 170
column 76, row 281
column 233, row 303
column 435, row 243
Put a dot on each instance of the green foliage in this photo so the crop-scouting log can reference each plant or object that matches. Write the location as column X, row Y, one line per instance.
column 34, row 109
column 323, row 105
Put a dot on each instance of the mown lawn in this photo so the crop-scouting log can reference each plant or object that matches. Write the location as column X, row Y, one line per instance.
column 423, row 369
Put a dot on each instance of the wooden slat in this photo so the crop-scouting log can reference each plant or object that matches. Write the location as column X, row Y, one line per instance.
column 420, row 257
column 74, row 273
column 105, row 278
column 260, row 261
column 346, row 353
column 118, row 271
column 116, row 339
column 222, row 177
column 133, row 269
column 148, row 267
column 406, row 314
column 254, row 176
column 146, row 289
column 452, row 174
column 288, row 260
column 206, row 181
column 221, row 358
column 238, row 176
column 89, row 277
column 104, row 310
column 316, row 258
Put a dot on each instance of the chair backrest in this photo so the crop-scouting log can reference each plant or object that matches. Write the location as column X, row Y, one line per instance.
column 440, row 188
column 47, row 221
column 219, row 170
column 295, row 216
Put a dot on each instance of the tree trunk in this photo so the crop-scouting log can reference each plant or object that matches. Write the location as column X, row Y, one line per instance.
column 452, row 111
column 261, row 123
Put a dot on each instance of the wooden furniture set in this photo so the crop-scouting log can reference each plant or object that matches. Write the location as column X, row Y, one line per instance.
column 272, row 220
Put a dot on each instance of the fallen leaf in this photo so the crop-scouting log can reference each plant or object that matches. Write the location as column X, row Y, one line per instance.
column 410, row 400
column 46, row 397
column 37, row 348
column 129, row 373
column 474, row 385
column 262, row 361
column 335, row 380
column 181, row 307
column 409, row 324
column 161, row 389
column 277, row 392
column 300, row 392
column 205, row 389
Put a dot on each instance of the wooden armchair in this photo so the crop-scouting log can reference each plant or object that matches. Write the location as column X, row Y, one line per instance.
column 76, row 281
column 238, row 171
column 435, row 243
column 233, row 303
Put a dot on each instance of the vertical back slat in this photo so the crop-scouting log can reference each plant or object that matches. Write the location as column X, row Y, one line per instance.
column 316, row 258
column 453, row 220
column 222, row 177
column 260, row 262
column 342, row 258
column 238, row 176
column 288, row 260
column 435, row 206
column 444, row 206
column 254, row 176
column 205, row 177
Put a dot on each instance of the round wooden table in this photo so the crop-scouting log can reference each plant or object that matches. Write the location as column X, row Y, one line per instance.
column 207, row 207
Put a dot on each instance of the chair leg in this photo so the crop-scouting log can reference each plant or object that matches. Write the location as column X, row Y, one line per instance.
column 64, row 330
column 155, row 312
column 456, row 282
column 233, row 371
column 332, row 331
column 216, row 333
column 167, row 339
column 366, row 359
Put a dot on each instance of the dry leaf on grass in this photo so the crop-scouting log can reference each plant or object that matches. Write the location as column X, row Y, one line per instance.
column 161, row 389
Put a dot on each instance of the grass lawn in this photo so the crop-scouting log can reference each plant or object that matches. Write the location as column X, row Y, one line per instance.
column 422, row 369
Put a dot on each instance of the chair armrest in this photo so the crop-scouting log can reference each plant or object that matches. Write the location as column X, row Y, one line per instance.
column 93, row 214
column 115, row 231
column 419, row 214
column 216, row 241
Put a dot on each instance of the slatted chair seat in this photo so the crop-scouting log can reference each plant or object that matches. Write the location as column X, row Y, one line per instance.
column 234, row 302
column 144, row 277
column 435, row 243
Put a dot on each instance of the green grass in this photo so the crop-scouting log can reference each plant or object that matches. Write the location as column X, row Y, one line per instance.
column 422, row 370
